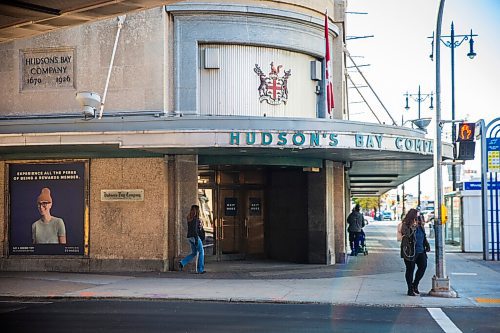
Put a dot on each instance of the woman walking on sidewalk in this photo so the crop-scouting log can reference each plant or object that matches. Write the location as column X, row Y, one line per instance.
column 414, row 246
column 194, row 225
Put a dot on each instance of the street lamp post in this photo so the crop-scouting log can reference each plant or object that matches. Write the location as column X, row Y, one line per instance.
column 403, row 211
column 454, row 42
column 440, row 282
column 418, row 97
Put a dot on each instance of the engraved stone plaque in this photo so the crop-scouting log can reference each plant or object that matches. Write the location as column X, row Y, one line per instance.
column 122, row 195
column 49, row 68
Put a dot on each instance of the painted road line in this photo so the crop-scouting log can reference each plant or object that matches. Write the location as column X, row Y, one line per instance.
column 11, row 306
column 7, row 310
column 472, row 274
column 487, row 300
column 442, row 319
column 26, row 302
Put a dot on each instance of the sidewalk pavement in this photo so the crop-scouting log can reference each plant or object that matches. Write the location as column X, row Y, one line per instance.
column 376, row 279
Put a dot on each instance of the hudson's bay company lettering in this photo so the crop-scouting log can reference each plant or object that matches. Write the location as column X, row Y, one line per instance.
column 47, row 68
column 327, row 139
column 122, row 195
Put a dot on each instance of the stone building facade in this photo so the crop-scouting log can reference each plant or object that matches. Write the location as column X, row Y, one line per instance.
column 220, row 104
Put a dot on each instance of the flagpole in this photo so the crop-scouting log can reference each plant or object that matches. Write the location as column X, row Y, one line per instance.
column 329, row 85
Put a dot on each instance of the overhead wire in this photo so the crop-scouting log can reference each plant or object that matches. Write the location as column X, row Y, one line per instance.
column 369, row 85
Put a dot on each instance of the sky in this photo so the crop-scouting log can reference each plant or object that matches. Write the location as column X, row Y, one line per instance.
column 398, row 59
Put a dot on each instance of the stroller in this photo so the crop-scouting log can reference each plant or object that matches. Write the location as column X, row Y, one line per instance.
column 361, row 241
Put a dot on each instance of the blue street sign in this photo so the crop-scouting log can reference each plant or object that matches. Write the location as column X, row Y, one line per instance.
column 493, row 154
column 493, row 144
column 471, row 186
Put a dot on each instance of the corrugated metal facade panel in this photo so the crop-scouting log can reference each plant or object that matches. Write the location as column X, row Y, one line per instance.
column 233, row 88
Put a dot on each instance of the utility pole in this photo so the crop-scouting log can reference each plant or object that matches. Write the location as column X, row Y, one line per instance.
column 440, row 282
column 403, row 213
column 453, row 43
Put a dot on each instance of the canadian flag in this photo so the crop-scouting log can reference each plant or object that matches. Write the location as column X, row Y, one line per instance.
column 330, row 102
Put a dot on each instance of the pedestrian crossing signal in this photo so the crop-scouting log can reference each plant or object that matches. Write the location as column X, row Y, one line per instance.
column 466, row 132
column 466, row 150
column 444, row 214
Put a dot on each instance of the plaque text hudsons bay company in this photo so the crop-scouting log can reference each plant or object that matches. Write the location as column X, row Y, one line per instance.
column 122, row 195
column 49, row 68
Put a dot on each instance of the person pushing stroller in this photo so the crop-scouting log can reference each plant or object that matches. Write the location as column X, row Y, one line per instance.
column 356, row 222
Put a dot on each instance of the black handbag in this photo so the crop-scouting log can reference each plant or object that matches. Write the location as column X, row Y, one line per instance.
column 201, row 233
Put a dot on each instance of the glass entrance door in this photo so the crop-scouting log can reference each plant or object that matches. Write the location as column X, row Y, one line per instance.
column 233, row 209
column 206, row 202
column 254, row 222
column 231, row 225
column 241, row 223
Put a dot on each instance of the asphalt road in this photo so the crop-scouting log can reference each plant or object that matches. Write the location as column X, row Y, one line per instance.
column 164, row 316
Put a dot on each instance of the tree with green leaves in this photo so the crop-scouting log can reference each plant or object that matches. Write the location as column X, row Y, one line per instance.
column 367, row 203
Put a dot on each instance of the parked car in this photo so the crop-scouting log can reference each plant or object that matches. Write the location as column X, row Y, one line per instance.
column 387, row 215
column 428, row 214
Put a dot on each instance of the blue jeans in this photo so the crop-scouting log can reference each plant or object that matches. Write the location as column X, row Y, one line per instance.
column 196, row 248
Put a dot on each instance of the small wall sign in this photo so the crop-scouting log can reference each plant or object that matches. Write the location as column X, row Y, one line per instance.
column 230, row 206
column 255, row 207
column 48, row 68
column 122, row 195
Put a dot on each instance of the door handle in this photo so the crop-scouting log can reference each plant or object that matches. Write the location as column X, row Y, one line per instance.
column 221, row 231
column 246, row 226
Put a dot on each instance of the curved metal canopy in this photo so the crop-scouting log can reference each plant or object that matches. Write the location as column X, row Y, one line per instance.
column 372, row 170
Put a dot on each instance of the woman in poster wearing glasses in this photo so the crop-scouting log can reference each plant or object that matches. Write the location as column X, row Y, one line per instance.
column 48, row 229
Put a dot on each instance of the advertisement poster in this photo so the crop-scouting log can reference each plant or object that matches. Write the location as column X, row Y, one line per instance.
column 47, row 209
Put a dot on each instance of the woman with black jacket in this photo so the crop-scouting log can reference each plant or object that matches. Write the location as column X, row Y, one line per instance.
column 194, row 225
column 414, row 246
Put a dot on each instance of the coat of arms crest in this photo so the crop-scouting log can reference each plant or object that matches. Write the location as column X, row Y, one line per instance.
column 273, row 87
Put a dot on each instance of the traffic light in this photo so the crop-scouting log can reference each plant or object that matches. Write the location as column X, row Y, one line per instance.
column 466, row 132
column 465, row 139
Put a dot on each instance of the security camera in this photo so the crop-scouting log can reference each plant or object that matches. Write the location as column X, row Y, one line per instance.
column 89, row 102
